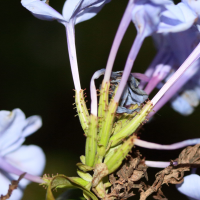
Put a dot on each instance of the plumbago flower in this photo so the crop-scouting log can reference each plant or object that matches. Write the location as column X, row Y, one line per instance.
column 14, row 158
column 74, row 11
column 109, row 135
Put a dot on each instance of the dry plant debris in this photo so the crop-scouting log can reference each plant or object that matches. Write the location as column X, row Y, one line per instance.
column 130, row 174
column 128, row 177
column 12, row 186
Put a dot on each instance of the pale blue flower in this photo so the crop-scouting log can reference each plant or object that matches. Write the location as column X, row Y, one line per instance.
column 74, row 11
column 16, row 158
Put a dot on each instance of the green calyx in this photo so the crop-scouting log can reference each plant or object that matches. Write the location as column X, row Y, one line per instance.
column 82, row 110
column 106, row 129
column 110, row 137
column 91, row 141
column 103, row 101
column 131, row 126
column 119, row 154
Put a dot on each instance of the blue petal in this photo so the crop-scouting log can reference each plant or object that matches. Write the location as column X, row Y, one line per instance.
column 180, row 105
column 194, row 5
column 190, row 186
column 176, row 18
column 70, row 7
column 14, row 127
column 89, row 9
column 82, row 10
column 42, row 10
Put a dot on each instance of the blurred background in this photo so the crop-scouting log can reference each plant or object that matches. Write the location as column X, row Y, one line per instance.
column 35, row 76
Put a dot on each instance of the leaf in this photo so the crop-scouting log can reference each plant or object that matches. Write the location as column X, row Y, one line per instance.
column 85, row 176
column 62, row 181
column 83, row 167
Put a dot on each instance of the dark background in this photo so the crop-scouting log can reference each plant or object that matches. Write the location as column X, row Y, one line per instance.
column 35, row 76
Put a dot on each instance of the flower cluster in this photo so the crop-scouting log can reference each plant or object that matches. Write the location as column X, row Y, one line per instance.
column 123, row 104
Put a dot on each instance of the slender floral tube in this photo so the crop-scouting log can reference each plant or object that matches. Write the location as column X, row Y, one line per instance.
column 178, row 145
column 158, row 164
column 158, row 59
column 126, row 19
column 175, row 88
column 93, row 92
column 4, row 165
column 161, row 71
column 72, row 54
column 191, row 59
column 129, row 64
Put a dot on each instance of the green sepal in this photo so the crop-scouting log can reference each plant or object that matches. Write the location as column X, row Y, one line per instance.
column 111, row 152
column 106, row 130
column 116, row 159
column 62, row 181
column 101, row 190
column 130, row 127
column 83, row 167
column 107, row 185
column 82, row 158
column 85, row 176
column 91, row 141
column 103, row 101
column 88, row 187
column 123, row 119
column 82, row 110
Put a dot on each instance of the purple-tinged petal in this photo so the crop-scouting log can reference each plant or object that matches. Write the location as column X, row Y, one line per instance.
column 42, row 10
column 190, row 186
